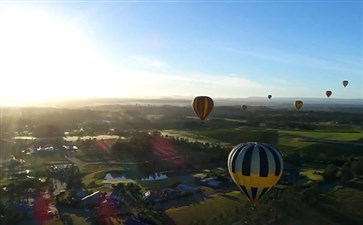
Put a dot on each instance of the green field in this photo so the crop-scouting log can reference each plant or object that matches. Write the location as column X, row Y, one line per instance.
column 157, row 184
column 93, row 156
column 192, row 136
column 238, row 135
column 288, row 143
column 97, row 178
column 312, row 174
column 215, row 208
column 227, row 137
column 328, row 135
column 343, row 205
column 328, row 126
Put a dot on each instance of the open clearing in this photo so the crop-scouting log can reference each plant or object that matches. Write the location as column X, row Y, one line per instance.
column 328, row 135
column 193, row 137
column 209, row 210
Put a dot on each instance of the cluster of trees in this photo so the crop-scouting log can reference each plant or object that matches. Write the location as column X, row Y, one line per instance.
column 35, row 120
column 140, row 145
column 352, row 168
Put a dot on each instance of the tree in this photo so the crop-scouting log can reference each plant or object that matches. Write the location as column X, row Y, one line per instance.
column 330, row 173
column 355, row 168
column 346, row 172
column 75, row 178
column 311, row 194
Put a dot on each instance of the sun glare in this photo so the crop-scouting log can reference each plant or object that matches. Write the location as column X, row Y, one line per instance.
column 43, row 57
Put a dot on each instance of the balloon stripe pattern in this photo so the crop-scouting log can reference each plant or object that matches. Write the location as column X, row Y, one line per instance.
column 202, row 106
column 255, row 168
column 298, row 104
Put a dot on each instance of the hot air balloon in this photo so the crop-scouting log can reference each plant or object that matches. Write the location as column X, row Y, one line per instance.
column 244, row 107
column 202, row 106
column 298, row 104
column 345, row 83
column 328, row 93
column 255, row 168
column 269, row 96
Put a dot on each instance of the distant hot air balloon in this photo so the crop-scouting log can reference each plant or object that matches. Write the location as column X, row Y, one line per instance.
column 345, row 83
column 269, row 96
column 202, row 106
column 244, row 107
column 255, row 168
column 298, row 104
column 328, row 93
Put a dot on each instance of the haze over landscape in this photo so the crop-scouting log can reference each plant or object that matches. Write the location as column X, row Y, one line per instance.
column 181, row 112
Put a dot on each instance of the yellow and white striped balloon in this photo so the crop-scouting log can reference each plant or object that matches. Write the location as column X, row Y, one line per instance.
column 255, row 168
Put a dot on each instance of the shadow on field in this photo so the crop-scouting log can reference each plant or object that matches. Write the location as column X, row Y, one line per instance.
column 234, row 198
column 191, row 200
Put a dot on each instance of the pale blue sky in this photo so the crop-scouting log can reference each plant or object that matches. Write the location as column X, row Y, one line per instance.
column 175, row 48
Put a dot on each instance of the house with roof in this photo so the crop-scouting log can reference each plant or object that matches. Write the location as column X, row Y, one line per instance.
column 152, row 197
column 184, row 188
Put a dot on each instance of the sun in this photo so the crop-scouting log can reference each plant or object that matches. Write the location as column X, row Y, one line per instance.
column 45, row 57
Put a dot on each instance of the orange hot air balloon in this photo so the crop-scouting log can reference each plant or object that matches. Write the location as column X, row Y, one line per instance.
column 345, row 83
column 269, row 96
column 298, row 104
column 328, row 93
column 202, row 106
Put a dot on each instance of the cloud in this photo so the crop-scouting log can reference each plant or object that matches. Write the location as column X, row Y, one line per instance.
column 142, row 83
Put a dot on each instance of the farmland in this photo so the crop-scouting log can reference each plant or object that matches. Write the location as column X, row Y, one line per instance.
column 166, row 152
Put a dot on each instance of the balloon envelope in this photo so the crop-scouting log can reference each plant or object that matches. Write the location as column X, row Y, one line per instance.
column 244, row 107
column 255, row 168
column 269, row 96
column 328, row 93
column 202, row 106
column 345, row 83
column 298, row 104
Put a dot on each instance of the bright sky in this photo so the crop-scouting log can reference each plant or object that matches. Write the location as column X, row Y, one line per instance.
column 62, row 49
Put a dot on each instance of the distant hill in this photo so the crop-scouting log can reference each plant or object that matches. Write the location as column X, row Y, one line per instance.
column 324, row 104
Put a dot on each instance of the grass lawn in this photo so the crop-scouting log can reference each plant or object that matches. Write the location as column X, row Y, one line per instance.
column 344, row 206
column 157, row 184
column 309, row 173
column 288, row 143
column 4, row 181
column 194, row 137
column 337, row 127
column 328, row 135
column 91, row 168
column 348, row 201
column 239, row 135
column 215, row 208
column 76, row 219
column 95, row 178
column 93, row 156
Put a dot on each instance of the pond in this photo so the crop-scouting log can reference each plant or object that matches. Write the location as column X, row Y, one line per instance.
column 153, row 177
column 75, row 138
